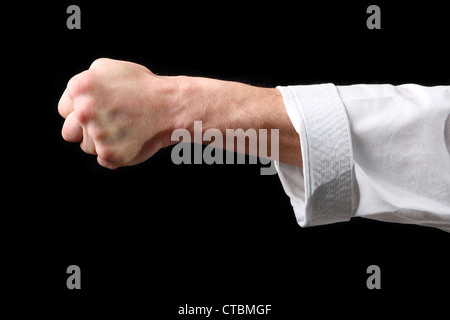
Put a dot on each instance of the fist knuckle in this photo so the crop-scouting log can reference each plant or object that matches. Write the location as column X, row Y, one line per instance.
column 84, row 112
column 98, row 62
column 80, row 84
column 99, row 134
column 107, row 153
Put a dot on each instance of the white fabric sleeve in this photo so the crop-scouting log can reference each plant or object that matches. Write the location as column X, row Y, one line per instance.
column 375, row 151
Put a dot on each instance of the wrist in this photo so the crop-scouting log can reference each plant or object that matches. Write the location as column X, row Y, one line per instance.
column 202, row 99
column 189, row 103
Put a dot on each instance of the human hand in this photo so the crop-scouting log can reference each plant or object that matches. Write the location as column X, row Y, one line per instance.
column 119, row 111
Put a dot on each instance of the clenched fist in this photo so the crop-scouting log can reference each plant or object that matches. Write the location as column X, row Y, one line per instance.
column 119, row 111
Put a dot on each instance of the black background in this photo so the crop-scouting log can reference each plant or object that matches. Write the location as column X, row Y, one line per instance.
column 154, row 237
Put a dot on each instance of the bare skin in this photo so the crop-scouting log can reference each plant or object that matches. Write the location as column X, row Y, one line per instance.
column 123, row 113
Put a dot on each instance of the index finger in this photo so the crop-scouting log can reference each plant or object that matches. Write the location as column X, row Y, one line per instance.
column 65, row 105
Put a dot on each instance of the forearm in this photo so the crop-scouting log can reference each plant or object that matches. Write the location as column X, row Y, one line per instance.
column 226, row 105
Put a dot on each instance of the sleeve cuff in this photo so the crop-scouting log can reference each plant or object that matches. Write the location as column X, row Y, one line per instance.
column 321, row 191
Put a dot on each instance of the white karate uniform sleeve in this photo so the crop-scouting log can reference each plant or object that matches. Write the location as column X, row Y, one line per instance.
column 373, row 151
